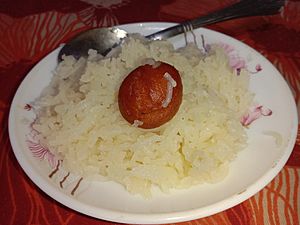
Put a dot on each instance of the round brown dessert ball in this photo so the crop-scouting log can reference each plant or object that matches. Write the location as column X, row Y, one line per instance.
column 150, row 95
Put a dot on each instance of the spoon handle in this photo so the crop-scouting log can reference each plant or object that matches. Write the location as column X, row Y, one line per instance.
column 244, row 8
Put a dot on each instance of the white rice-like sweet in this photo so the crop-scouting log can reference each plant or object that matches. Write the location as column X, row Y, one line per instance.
column 79, row 119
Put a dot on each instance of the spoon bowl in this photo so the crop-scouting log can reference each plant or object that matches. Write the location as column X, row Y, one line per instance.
column 100, row 39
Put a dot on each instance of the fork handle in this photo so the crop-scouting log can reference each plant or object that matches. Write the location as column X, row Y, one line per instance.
column 243, row 8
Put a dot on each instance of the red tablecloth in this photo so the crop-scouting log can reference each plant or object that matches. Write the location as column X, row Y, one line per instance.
column 30, row 29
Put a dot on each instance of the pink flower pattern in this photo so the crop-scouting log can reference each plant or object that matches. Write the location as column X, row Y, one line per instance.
column 42, row 152
column 236, row 62
column 37, row 149
column 254, row 113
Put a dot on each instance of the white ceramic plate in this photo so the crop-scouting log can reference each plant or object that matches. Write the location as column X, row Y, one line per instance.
column 254, row 168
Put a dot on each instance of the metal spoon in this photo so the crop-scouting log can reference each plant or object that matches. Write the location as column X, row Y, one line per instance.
column 104, row 39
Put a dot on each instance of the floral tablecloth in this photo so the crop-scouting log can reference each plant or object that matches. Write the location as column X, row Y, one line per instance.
column 30, row 29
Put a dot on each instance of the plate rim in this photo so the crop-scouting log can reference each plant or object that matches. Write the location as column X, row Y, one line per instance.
column 146, row 218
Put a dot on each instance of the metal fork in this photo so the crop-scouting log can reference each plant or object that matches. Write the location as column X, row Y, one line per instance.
column 244, row 8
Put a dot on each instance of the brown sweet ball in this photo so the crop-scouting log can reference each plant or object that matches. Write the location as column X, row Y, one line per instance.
column 150, row 95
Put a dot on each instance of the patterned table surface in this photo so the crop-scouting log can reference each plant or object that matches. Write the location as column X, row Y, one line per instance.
column 30, row 29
